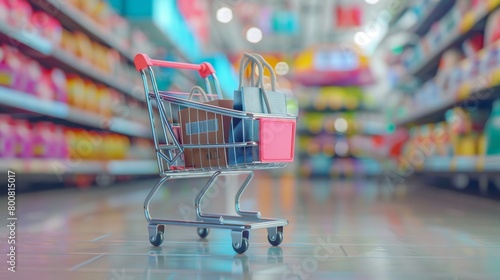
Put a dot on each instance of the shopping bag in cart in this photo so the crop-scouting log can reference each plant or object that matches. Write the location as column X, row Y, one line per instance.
column 254, row 99
column 200, row 127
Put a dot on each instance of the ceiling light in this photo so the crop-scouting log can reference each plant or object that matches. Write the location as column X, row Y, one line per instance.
column 254, row 35
column 224, row 15
column 361, row 38
column 373, row 2
column 281, row 68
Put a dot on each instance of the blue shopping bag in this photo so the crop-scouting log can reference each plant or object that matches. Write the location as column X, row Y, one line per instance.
column 253, row 99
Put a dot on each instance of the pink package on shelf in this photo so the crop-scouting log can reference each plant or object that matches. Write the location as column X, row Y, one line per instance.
column 4, row 12
column 30, row 81
column 7, row 138
column 47, row 27
column 8, row 68
column 18, row 71
column 59, row 85
column 62, row 148
column 45, row 145
column 24, row 139
column 20, row 12
column 44, row 89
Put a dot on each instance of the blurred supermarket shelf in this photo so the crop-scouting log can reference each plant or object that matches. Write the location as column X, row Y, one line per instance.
column 429, row 111
column 73, row 18
column 154, row 32
column 359, row 128
column 23, row 101
column 434, row 12
column 401, row 11
column 470, row 22
column 323, row 166
column 46, row 51
column 462, row 164
column 483, row 87
column 60, row 167
column 69, row 61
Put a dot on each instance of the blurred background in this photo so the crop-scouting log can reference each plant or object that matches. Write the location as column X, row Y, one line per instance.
column 391, row 89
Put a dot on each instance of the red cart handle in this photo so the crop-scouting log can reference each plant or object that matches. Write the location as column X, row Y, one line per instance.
column 142, row 61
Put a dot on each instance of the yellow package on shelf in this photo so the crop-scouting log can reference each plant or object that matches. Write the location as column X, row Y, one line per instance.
column 492, row 4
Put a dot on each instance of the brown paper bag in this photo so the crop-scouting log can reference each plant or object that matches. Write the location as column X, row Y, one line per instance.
column 201, row 127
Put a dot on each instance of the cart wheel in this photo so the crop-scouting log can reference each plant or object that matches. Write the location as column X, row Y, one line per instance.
column 203, row 232
column 157, row 240
column 276, row 239
column 241, row 248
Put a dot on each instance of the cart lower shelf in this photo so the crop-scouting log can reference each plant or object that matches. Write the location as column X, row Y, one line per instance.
column 240, row 229
column 239, row 225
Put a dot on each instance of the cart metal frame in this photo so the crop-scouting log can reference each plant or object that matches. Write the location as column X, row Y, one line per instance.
column 169, row 150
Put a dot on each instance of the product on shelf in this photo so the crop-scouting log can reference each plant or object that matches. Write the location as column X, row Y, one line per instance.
column 4, row 12
column 462, row 134
column 492, row 130
column 437, row 36
column 466, row 145
column 26, row 75
column 19, row 15
column 90, row 97
column 20, row 12
column 481, row 144
column 77, row 149
column 459, row 121
column 47, row 27
column 120, row 28
column 115, row 146
column 450, row 59
column 93, row 145
column 492, row 32
column 141, row 149
column 59, row 84
column 68, row 42
column 10, row 65
column 84, row 48
column 31, row 73
column 473, row 45
column 440, row 136
column 43, row 138
column 100, row 57
column 24, row 139
column 8, row 138
column 104, row 97
column 140, row 43
column 76, row 90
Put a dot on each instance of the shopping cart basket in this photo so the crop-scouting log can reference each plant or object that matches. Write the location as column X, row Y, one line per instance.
column 196, row 139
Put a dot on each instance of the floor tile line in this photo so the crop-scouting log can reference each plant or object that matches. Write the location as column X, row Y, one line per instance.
column 101, row 237
column 80, row 265
column 266, row 244
column 343, row 250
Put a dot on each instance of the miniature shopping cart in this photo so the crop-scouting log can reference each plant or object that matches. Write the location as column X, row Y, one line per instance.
column 197, row 139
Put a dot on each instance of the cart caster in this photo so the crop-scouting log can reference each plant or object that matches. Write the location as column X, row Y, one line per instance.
column 203, row 232
column 276, row 239
column 157, row 240
column 242, row 247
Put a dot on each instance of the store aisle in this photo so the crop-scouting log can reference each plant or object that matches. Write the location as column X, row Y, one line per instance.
column 338, row 230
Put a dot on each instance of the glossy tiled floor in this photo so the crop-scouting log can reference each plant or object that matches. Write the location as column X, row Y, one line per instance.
column 338, row 230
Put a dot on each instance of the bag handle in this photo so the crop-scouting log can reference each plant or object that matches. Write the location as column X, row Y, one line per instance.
column 245, row 61
column 270, row 68
column 200, row 91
